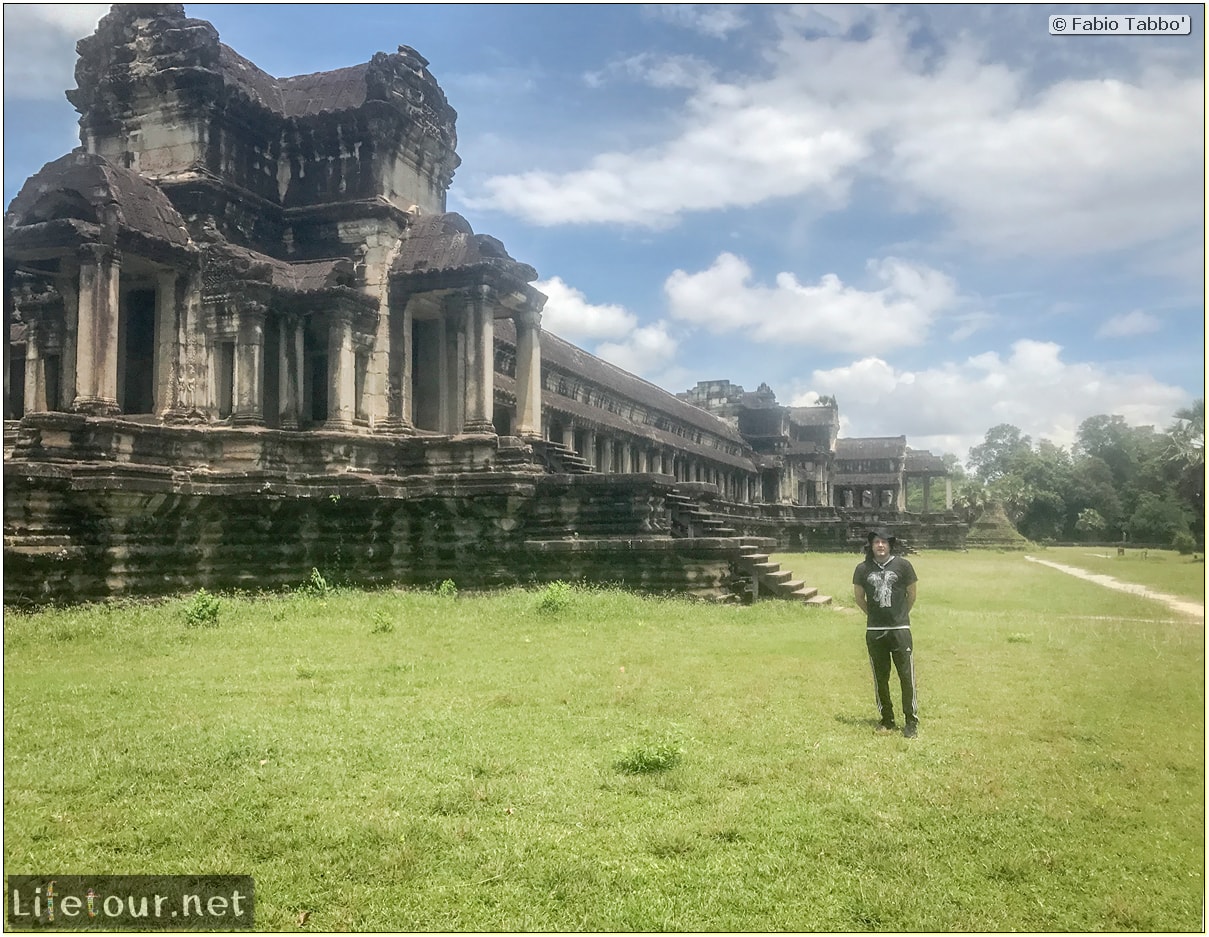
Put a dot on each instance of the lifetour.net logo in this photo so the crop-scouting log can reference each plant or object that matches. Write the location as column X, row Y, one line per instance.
column 137, row 902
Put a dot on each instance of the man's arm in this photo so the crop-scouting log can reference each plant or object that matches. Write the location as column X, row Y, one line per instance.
column 858, row 593
column 911, row 596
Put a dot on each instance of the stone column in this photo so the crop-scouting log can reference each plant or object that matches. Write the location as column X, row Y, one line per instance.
column 626, row 459
column 97, row 331
column 247, row 409
column 341, row 366
column 927, row 494
column 289, row 372
column 480, row 362
column 68, row 288
column 948, row 493
column 192, row 378
column 35, row 376
column 589, row 451
column 166, row 354
column 398, row 371
column 453, row 365
column 528, row 372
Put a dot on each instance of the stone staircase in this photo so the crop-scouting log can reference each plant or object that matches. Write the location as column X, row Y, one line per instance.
column 766, row 578
column 558, row 459
column 689, row 519
column 756, row 575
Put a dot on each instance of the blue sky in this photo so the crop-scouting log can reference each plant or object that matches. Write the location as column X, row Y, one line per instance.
column 942, row 215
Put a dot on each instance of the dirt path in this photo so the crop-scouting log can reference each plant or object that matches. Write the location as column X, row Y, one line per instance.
column 1183, row 606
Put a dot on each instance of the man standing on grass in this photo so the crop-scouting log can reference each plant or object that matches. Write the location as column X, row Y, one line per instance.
column 884, row 588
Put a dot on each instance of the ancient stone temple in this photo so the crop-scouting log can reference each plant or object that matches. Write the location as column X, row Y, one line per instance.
column 245, row 339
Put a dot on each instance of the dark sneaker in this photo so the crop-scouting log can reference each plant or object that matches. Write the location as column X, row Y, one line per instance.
column 885, row 728
column 910, row 730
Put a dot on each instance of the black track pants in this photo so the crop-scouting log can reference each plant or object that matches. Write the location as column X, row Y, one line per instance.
column 886, row 644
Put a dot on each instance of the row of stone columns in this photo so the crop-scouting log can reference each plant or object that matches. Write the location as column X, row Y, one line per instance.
column 600, row 451
column 97, row 306
column 463, row 352
column 89, row 348
column 928, row 494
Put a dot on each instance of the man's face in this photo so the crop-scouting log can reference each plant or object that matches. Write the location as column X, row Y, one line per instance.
column 881, row 548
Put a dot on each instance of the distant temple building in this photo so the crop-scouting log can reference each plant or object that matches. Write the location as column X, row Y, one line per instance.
column 245, row 337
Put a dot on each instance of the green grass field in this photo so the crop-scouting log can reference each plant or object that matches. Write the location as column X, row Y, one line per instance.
column 592, row 760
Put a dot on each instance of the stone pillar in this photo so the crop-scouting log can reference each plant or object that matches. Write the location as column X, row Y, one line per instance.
column 453, row 365
column 480, row 362
column 644, row 460
column 568, row 439
column 398, row 371
column 35, row 375
column 927, row 494
column 166, row 355
column 528, row 372
column 248, row 406
column 68, row 289
column 589, row 453
column 948, row 493
column 289, row 372
column 627, row 464
column 97, row 331
column 341, row 365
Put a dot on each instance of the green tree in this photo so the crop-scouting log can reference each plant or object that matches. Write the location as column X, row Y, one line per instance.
column 990, row 459
column 1157, row 520
column 1185, row 454
column 1090, row 524
column 1092, row 489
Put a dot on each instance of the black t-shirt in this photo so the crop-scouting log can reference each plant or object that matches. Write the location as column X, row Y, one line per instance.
column 885, row 588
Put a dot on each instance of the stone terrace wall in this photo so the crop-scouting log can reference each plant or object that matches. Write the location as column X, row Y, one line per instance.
column 82, row 532
column 800, row 528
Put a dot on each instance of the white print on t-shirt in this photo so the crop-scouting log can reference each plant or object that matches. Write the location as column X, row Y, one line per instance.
column 883, row 585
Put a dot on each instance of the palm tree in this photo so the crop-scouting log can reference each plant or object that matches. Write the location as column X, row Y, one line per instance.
column 1187, row 434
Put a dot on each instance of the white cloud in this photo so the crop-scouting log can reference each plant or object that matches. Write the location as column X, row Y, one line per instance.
column 949, row 407
column 39, row 46
column 569, row 315
column 1128, row 325
column 827, row 315
column 658, row 71
column 1080, row 166
column 711, row 19
column 645, row 351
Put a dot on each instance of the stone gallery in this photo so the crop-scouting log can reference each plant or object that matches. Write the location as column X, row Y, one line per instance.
column 246, row 339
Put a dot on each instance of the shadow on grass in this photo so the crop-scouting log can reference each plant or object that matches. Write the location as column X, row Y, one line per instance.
column 857, row 721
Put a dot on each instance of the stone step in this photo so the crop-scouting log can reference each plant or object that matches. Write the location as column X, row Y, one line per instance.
column 763, row 568
column 819, row 600
column 780, row 577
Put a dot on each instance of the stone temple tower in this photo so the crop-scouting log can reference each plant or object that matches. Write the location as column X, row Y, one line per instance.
column 226, row 247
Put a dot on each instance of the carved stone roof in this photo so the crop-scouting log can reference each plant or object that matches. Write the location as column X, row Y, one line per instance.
column 921, row 461
column 813, row 416
column 89, row 188
column 342, row 89
column 871, row 447
column 446, row 242
column 230, row 262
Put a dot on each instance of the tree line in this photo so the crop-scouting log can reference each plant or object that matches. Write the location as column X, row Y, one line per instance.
column 1116, row 483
